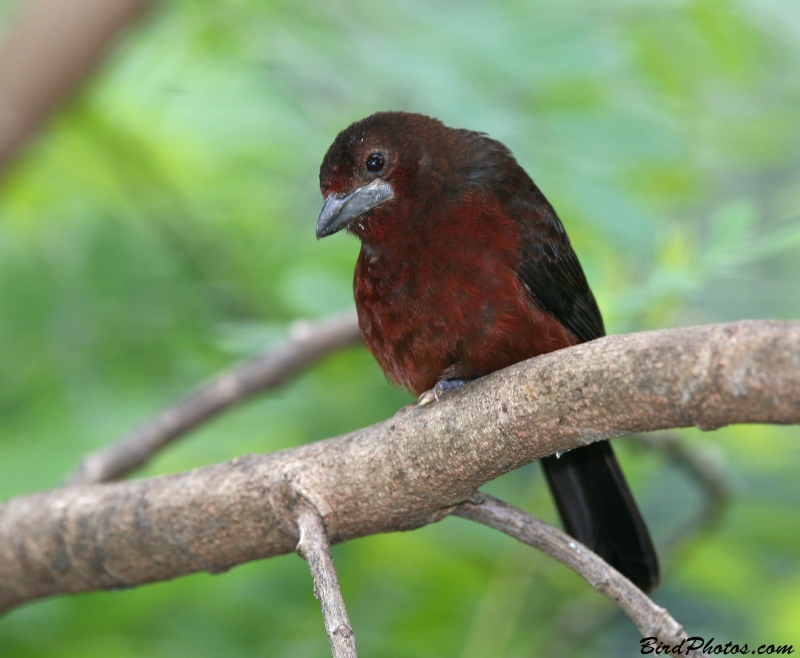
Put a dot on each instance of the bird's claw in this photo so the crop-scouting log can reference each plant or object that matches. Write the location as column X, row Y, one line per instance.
column 442, row 387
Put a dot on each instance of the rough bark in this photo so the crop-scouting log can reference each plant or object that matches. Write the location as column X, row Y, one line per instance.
column 314, row 548
column 403, row 472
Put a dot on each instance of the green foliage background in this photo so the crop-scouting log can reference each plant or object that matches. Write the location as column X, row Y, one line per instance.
column 161, row 228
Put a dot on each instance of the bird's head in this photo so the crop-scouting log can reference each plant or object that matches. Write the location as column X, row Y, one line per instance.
column 379, row 167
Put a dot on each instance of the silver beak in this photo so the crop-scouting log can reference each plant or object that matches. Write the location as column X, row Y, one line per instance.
column 340, row 210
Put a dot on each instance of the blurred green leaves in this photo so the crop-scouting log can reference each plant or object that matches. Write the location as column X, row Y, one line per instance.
column 162, row 227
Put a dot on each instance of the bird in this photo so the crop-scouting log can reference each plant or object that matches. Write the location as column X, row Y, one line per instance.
column 465, row 269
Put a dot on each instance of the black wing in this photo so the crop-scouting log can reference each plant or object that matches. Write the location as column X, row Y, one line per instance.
column 549, row 268
column 552, row 274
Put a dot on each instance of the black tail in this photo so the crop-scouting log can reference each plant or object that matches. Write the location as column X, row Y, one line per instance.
column 597, row 508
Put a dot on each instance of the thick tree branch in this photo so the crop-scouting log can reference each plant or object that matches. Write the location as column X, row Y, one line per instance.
column 650, row 619
column 314, row 548
column 307, row 343
column 403, row 472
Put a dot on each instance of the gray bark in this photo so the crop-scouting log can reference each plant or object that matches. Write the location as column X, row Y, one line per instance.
column 404, row 472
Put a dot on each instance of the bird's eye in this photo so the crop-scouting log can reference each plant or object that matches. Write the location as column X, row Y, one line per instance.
column 375, row 162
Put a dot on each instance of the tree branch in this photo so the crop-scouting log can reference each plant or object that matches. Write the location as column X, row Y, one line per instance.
column 314, row 548
column 307, row 343
column 403, row 472
column 650, row 619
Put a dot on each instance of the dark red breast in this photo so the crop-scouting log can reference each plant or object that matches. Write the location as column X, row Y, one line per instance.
column 448, row 302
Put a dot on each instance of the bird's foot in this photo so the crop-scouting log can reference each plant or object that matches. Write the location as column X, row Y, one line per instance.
column 442, row 388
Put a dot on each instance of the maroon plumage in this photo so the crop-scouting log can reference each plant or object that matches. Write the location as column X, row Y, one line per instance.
column 466, row 269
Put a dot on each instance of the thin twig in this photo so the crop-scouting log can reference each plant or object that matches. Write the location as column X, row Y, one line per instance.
column 713, row 480
column 307, row 343
column 652, row 621
column 315, row 549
